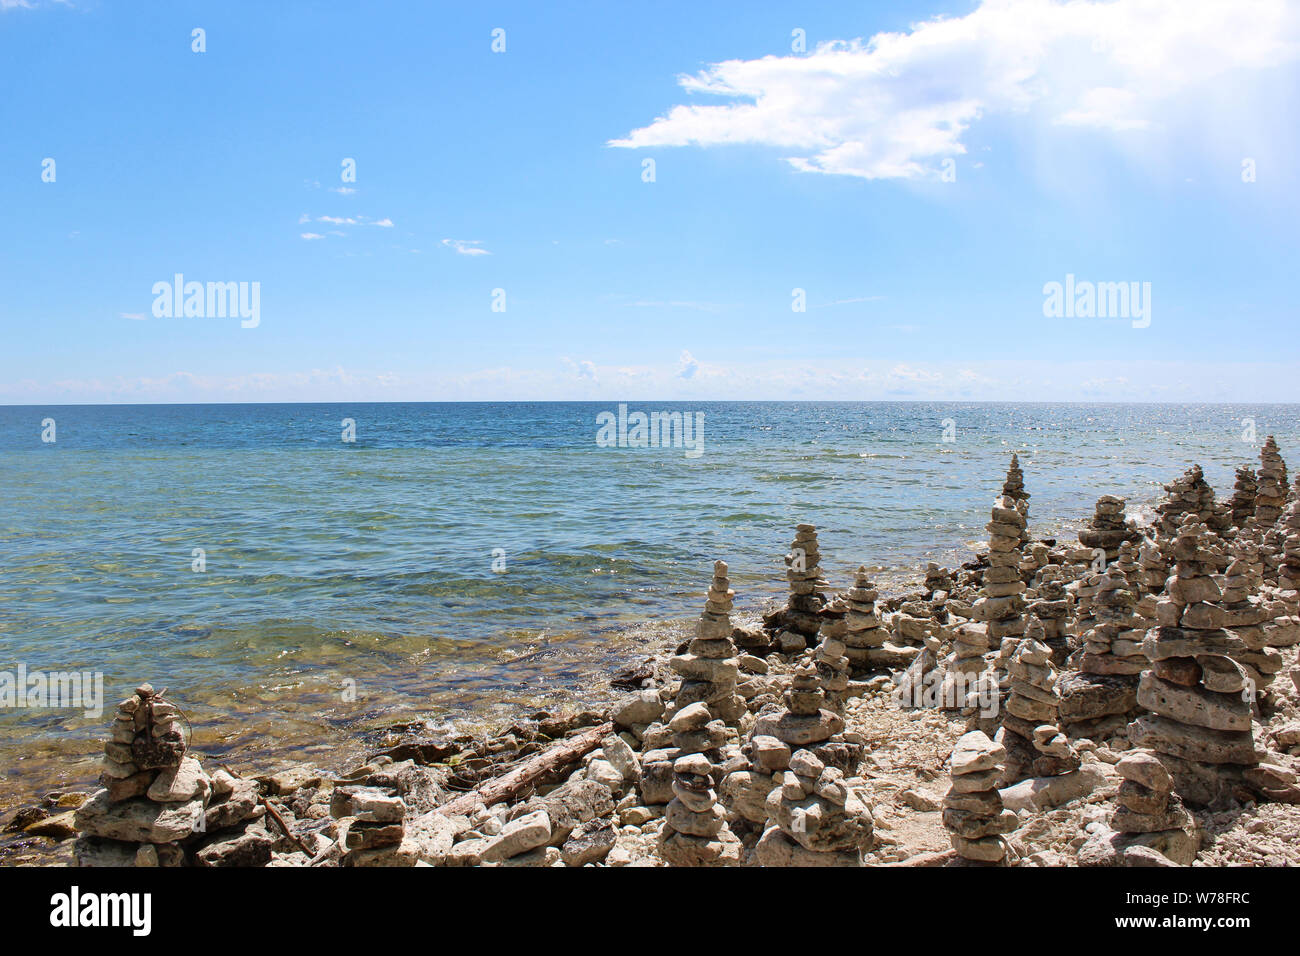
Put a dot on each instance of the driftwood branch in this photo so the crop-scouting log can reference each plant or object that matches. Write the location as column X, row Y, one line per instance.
column 275, row 815
column 530, row 772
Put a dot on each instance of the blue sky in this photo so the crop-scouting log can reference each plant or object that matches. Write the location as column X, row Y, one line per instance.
column 1100, row 140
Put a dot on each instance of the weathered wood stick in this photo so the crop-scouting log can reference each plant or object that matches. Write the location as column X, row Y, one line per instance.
column 564, row 752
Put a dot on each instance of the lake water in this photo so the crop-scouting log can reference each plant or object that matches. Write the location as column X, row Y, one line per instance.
column 463, row 561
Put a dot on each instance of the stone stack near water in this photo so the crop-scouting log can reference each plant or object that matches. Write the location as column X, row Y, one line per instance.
column 1270, row 492
column 373, row 825
column 1014, row 488
column 1034, row 743
column 806, row 719
column 1001, row 605
column 939, row 582
column 973, row 812
column 797, row 623
column 833, row 672
column 158, row 807
column 1150, row 814
column 695, row 831
column 816, row 818
column 1242, row 504
column 1200, row 720
column 1108, row 528
column 1051, row 608
column 865, row 636
column 708, row 669
column 1096, row 700
column 1288, row 570
column 1191, row 494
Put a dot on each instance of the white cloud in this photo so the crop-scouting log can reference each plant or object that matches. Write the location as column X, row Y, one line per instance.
column 687, row 366
column 312, row 235
column 898, row 104
column 467, row 247
column 386, row 223
column 134, row 316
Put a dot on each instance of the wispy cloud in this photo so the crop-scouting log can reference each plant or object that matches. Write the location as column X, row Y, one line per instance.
column 467, row 247
column 311, row 235
column 861, row 298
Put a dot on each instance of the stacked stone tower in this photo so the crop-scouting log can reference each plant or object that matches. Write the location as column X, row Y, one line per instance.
column 708, row 669
column 1198, row 696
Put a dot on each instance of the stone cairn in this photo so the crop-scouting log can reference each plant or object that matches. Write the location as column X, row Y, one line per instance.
column 1155, row 566
column 1097, row 699
column 865, row 636
column 709, row 669
column 374, row 826
column 1014, row 488
column 1149, row 812
column 1034, row 743
column 939, row 582
column 1248, row 617
column 1051, row 608
column 158, row 807
column 1200, row 720
column 1108, row 528
column 1242, row 504
column 832, row 666
column 1191, row 494
column 972, row 809
column 816, row 818
column 695, row 831
column 1288, row 571
column 797, row 623
column 1270, row 493
column 1001, row 605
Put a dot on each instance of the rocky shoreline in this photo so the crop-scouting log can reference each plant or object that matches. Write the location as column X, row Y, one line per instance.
column 1132, row 699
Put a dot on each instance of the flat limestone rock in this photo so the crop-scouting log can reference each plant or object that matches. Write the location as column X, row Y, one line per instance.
column 1192, row 743
column 1048, row 793
column 774, row 848
column 1192, row 705
column 1166, row 642
column 800, row 729
column 1089, row 696
column 137, row 820
column 181, row 783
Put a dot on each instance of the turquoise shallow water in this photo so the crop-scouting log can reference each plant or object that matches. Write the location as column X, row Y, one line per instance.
column 371, row 563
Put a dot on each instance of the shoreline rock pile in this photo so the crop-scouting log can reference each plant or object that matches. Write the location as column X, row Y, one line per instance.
column 158, row 807
column 1148, row 807
column 1051, row 607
